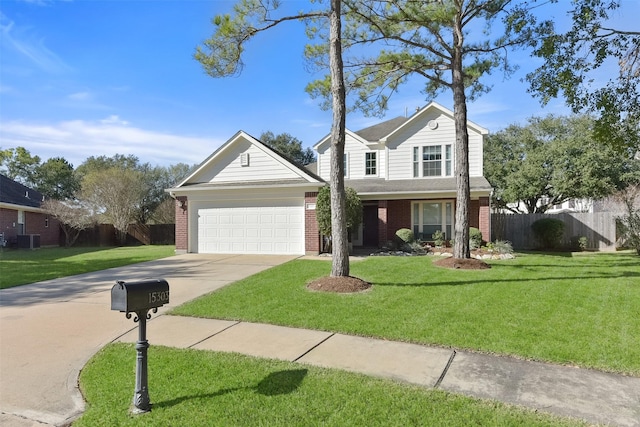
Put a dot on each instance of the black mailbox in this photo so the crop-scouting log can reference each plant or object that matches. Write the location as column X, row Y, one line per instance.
column 137, row 296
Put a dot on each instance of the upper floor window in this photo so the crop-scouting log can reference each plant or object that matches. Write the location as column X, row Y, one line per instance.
column 432, row 160
column 370, row 163
column 346, row 164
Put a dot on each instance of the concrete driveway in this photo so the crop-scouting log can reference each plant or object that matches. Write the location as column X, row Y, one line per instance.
column 49, row 330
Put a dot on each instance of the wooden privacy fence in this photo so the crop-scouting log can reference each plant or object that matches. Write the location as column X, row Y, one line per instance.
column 105, row 235
column 599, row 228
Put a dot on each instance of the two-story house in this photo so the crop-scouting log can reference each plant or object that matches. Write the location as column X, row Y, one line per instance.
column 247, row 198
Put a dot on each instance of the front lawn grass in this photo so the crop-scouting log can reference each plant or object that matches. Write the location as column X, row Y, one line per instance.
column 580, row 310
column 19, row 267
column 201, row 388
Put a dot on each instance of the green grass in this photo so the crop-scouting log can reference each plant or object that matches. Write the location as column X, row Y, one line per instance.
column 582, row 310
column 200, row 388
column 19, row 267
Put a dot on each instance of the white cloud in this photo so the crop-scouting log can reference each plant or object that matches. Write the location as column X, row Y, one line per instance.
column 80, row 96
column 24, row 42
column 76, row 140
column 114, row 120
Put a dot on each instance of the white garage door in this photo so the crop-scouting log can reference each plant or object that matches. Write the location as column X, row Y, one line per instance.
column 271, row 228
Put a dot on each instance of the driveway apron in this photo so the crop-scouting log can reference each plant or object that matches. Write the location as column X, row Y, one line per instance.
column 50, row 329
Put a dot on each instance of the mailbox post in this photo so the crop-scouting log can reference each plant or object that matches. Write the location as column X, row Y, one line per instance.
column 139, row 298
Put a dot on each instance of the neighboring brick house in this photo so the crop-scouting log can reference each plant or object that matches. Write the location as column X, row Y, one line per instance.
column 20, row 214
column 247, row 198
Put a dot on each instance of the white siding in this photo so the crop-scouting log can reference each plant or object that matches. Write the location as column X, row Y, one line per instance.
column 417, row 134
column 475, row 154
column 262, row 166
column 395, row 160
column 355, row 151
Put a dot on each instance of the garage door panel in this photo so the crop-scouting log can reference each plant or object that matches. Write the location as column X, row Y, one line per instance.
column 274, row 229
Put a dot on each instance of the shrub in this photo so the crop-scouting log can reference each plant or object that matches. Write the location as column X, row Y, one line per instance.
column 438, row 238
column 579, row 243
column 353, row 209
column 501, row 247
column 417, row 248
column 405, row 235
column 548, row 232
column 475, row 238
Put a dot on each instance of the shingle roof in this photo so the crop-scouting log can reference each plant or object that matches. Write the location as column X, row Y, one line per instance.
column 17, row 194
column 376, row 132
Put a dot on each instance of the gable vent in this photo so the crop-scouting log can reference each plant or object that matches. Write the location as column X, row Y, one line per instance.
column 244, row 159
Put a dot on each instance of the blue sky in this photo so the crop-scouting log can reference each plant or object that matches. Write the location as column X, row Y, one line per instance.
column 88, row 78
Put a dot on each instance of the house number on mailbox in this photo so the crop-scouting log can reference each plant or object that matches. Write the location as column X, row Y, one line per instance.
column 160, row 297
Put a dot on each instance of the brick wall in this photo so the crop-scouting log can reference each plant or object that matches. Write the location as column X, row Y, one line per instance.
column 480, row 217
column 398, row 216
column 35, row 223
column 47, row 227
column 382, row 222
column 485, row 219
column 8, row 223
column 182, row 224
column 311, row 233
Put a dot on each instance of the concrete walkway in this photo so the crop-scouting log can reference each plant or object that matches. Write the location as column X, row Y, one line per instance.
column 49, row 330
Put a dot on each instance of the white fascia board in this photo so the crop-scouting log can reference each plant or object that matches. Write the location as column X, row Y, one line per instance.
column 178, row 191
column 14, row 207
column 209, row 159
column 401, row 195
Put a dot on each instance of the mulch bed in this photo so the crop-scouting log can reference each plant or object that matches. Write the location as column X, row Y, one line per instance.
column 343, row 285
column 462, row 263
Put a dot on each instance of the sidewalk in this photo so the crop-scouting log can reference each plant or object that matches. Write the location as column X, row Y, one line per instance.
column 594, row 396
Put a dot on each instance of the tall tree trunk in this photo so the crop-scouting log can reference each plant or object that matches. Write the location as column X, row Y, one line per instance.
column 463, row 198
column 340, row 265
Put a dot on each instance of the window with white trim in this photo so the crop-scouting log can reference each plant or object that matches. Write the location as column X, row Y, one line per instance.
column 430, row 216
column 370, row 163
column 346, row 164
column 432, row 160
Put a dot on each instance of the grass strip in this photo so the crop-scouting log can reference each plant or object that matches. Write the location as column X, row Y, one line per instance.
column 200, row 388
column 19, row 267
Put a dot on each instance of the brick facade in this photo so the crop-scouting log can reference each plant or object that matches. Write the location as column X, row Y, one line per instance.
column 182, row 224
column 484, row 219
column 399, row 216
column 480, row 217
column 34, row 223
column 382, row 222
column 311, row 232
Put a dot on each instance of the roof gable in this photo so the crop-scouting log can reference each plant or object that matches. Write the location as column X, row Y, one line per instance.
column 14, row 193
column 244, row 159
column 354, row 135
column 427, row 110
column 381, row 132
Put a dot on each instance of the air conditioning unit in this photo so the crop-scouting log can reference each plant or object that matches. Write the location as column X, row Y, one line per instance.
column 28, row 241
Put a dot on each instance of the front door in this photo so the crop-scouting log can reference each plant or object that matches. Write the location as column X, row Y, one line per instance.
column 370, row 225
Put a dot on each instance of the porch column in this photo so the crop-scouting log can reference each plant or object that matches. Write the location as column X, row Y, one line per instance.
column 311, row 232
column 182, row 225
column 382, row 223
column 484, row 219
